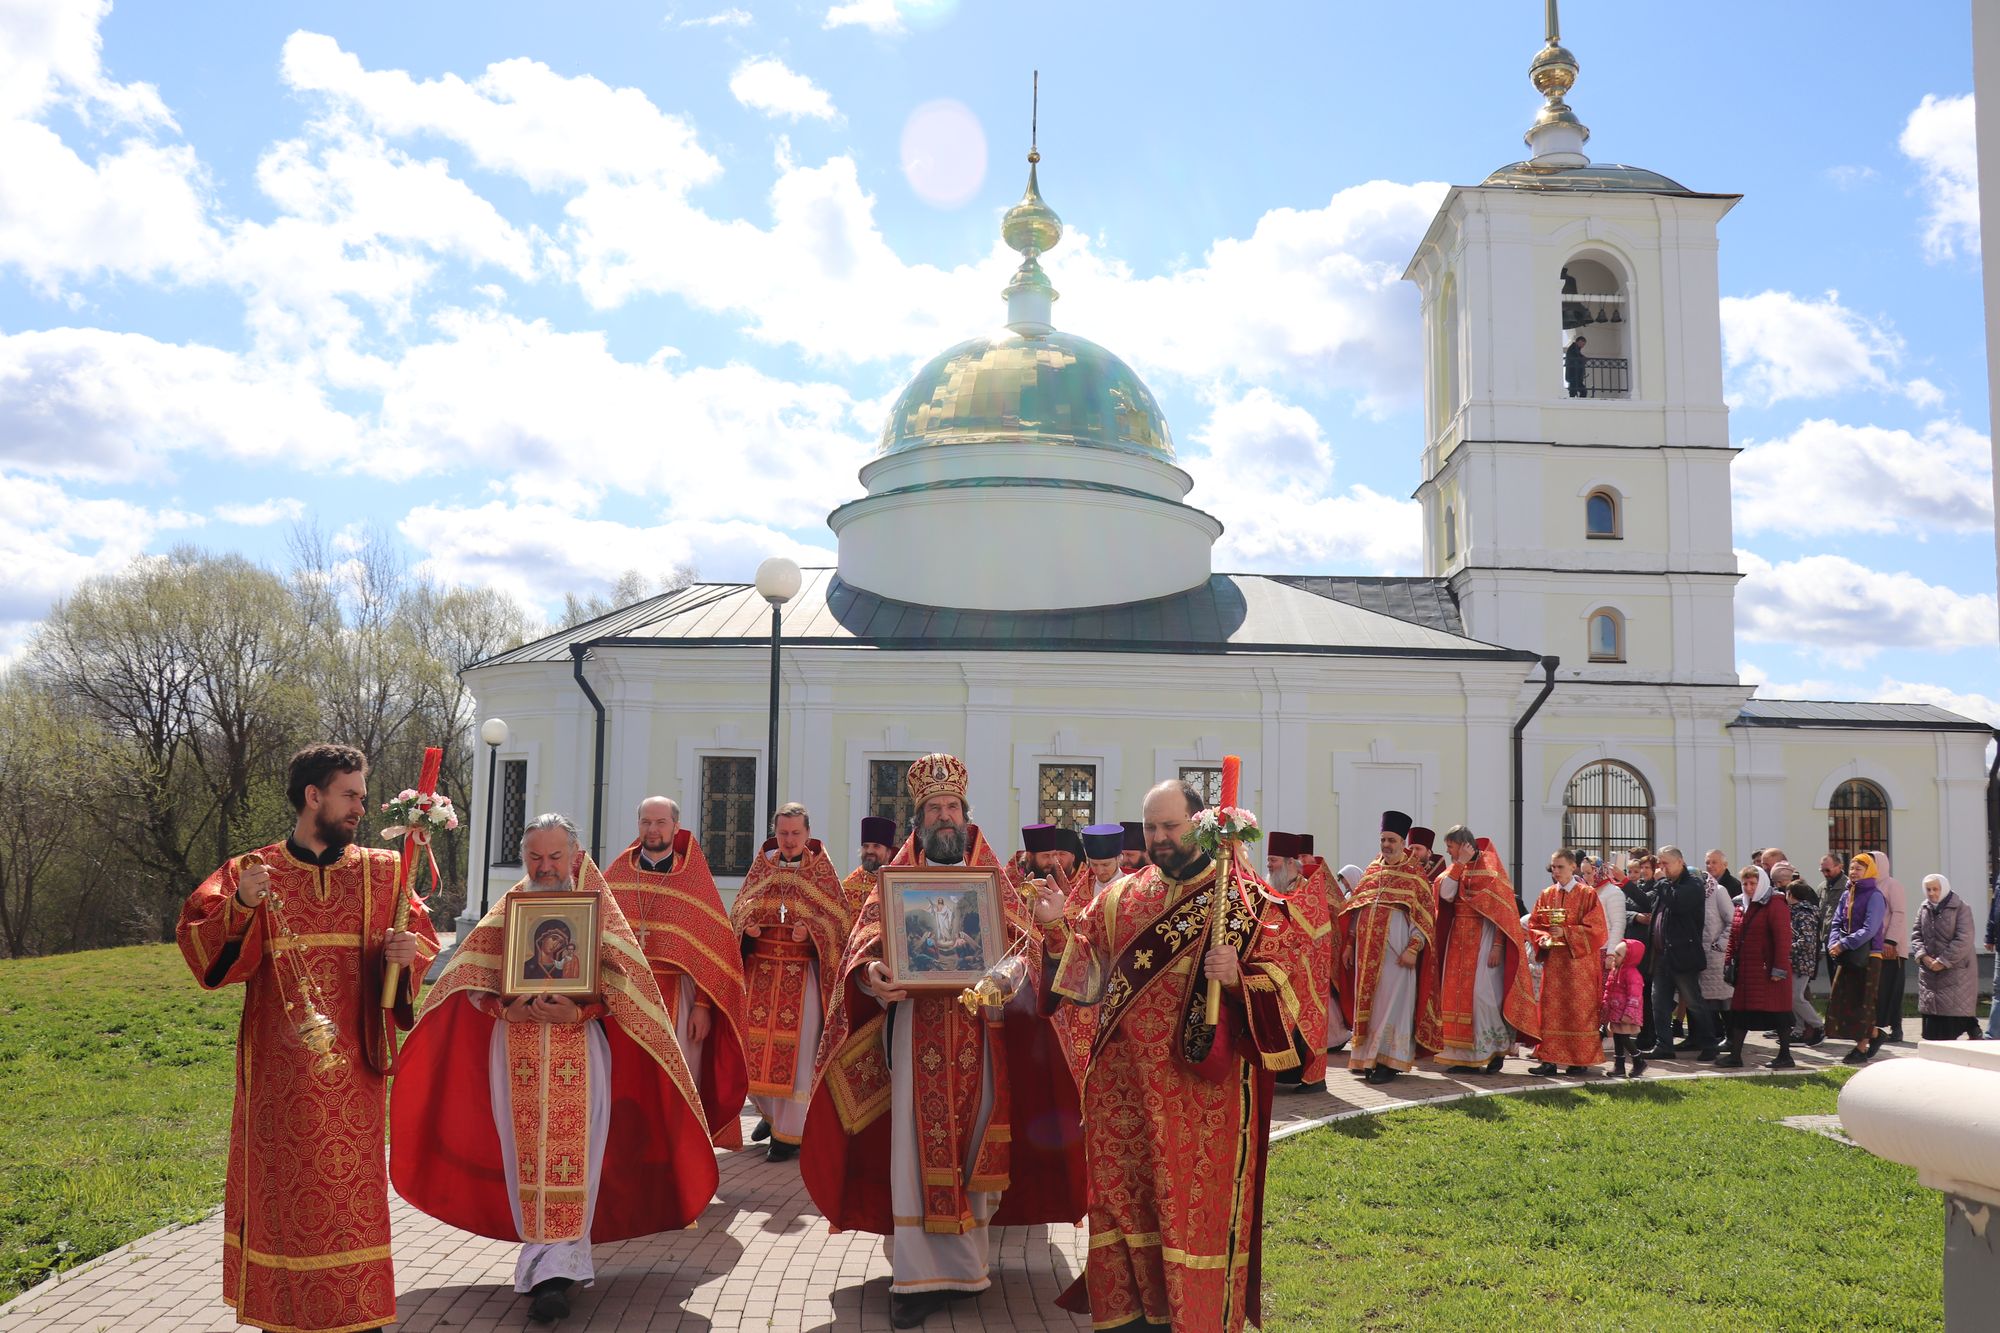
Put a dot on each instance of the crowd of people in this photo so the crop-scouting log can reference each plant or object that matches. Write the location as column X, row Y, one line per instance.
column 1116, row 1068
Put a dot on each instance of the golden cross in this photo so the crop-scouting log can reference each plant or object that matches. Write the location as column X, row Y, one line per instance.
column 566, row 1071
column 565, row 1169
column 524, row 1071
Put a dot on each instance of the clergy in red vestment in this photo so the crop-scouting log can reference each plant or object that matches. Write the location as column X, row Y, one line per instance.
column 1486, row 998
column 928, row 1124
column 1336, row 889
column 1177, row 1115
column 791, row 916
column 1305, row 900
column 1077, row 1024
column 305, row 1204
column 1389, row 923
column 878, row 844
column 543, row 1119
column 663, row 885
column 1566, row 927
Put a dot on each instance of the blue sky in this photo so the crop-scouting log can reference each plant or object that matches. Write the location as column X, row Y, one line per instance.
column 546, row 293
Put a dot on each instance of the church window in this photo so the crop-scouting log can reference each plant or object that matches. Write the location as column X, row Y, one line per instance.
column 728, row 830
column 1206, row 779
column 1600, row 515
column 889, row 792
column 1857, row 819
column 1450, row 533
column 513, row 812
column 1068, row 795
column 1607, row 636
column 1607, row 808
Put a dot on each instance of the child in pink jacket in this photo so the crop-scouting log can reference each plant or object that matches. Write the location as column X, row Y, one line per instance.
column 1624, row 1007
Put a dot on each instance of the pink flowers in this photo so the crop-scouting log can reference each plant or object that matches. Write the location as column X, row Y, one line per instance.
column 419, row 815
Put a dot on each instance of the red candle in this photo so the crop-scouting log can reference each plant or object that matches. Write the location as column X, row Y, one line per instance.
column 1232, row 778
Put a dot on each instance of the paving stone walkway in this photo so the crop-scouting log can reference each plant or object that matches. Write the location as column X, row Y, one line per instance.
column 759, row 1258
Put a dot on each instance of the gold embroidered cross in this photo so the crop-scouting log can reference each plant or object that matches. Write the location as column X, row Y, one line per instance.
column 1142, row 958
column 565, row 1170
column 523, row 1072
column 567, row 1071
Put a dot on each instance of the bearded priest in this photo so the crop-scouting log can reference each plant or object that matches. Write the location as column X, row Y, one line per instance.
column 543, row 1119
column 1389, row 923
column 878, row 844
column 1177, row 1115
column 791, row 916
column 1305, row 900
column 663, row 885
column 930, row 1125
column 306, row 1128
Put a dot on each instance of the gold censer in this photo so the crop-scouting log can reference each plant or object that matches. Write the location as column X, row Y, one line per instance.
column 305, row 1005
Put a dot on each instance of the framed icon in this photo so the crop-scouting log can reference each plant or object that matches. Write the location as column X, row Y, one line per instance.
column 551, row 945
column 942, row 926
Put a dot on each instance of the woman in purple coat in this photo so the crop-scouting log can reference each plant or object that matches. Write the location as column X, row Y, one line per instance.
column 1760, row 949
column 1855, row 943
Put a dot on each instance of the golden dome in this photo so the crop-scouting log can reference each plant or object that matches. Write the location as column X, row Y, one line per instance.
column 1604, row 177
column 1050, row 388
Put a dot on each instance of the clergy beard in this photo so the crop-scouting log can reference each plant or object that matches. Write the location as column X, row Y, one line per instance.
column 871, row 864
column 333, row 836
column 1284, row 877
column 653, row 847
column 944, row 843
column 1175, row 860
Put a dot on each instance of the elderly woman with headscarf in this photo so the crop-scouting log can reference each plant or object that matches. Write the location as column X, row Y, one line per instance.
column 1760, row 960
column 1855, row 942
column 1946, row 953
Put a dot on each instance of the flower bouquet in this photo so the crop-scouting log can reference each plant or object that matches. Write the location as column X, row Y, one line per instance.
column 419, row 815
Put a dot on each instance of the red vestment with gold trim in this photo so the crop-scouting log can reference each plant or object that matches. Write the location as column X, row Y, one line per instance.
column 1384, row 890
column 1033, row 1147
column 1175, row 1137
column 1076, row 1024
column 856, row 887
column 305, row 1205
column 445, row 1155
column 1310, row 907
column 776, row 898
column 684, row 930
column 1572, row 975
column 1485, row 893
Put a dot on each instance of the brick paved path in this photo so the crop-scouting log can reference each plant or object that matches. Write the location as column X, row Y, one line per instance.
column 759, row 1258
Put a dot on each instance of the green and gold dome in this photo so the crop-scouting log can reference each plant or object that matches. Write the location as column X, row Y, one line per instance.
column 1031, row 383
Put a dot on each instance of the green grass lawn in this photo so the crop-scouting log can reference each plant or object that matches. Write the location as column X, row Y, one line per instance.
column 1652, row 1206
column 116, row 1074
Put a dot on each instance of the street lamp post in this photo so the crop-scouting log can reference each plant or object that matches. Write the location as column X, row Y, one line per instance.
column 777, row 583
column 494, row 732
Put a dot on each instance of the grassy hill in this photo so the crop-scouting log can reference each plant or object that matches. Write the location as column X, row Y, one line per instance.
column 116, row 1074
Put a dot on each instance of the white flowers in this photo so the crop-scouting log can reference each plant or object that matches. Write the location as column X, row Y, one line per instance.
column 1215, row 825
column 419, row 815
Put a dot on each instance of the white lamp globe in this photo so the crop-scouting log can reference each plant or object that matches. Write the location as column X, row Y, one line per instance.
column 493, row 731
column 778, row 580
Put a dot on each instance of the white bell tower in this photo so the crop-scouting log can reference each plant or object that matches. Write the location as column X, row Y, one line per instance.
column 1578, row 498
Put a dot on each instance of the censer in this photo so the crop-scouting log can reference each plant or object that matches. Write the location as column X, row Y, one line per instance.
column 305, row 1005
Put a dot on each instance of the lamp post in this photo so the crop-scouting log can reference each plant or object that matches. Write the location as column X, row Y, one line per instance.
column 777, row 583
column 494, row 732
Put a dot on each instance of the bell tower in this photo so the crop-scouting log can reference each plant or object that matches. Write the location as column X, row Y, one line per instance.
column 1576, row 467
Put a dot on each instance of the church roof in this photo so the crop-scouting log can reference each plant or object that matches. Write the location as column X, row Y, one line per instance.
column 1852, row 716
column 1230, row 613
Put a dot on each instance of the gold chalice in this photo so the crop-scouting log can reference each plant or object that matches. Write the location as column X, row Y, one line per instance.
column 1553, row 921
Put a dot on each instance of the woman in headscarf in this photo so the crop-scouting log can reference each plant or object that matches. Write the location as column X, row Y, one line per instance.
column 1856, row 946
column 1947, row 957
column 1760, row 947
column 1895, row 949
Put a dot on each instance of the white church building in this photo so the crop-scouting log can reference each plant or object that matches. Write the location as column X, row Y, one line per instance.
column 1025, row 586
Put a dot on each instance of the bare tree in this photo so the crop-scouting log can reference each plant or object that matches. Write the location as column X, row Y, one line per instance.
column 632, row 586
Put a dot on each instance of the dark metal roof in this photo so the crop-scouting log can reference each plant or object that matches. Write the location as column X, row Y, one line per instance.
column 1853, row 716
column 1230, row 613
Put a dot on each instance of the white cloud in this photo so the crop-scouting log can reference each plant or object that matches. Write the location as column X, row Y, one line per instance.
column 262, row 514
column 1850, row 177
column 1285, row 520
column 726, row 18
column 1827, row 478
column 51, row 53
column 883, row 16
column 51, row 540
column 769, row 85
column 88, row 402
column 1938, row 138
column 1782, row 346
column 1832, row 601
column 536, row 552
column 1979, row 707
column 518, row 117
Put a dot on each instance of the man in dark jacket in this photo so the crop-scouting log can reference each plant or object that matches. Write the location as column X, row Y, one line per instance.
column 1833, row 871
column 1640, row 891
column 1679, row 913
column 1718, row 866
column 1573, row 367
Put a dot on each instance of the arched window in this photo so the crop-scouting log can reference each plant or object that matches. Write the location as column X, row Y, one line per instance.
column 1607, row 636
column 1857, row 819
column 1607, row 808
column 1601, row 518
column 1450, row 533
column 1595, row 307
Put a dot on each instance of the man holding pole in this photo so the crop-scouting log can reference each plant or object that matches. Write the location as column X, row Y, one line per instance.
column 1176, row 1112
